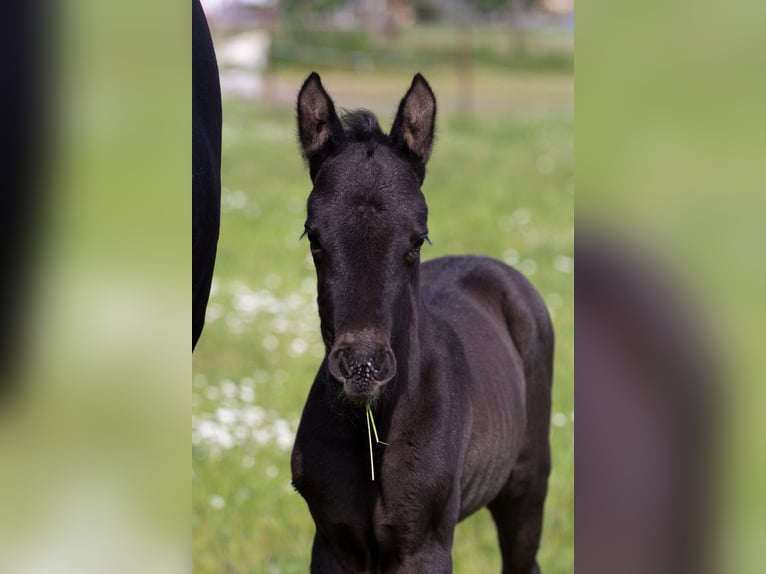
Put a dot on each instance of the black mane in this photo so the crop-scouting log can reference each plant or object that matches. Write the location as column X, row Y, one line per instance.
column 362, row 126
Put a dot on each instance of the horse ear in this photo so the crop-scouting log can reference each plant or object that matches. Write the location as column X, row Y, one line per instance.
column 319, row 128
column 413, row 128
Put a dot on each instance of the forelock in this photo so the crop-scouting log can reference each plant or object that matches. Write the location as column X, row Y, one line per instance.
column 362, row 126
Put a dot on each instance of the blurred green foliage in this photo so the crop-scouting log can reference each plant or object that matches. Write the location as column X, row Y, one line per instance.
column 436, row 45
column 310, row 6
column 670, row 155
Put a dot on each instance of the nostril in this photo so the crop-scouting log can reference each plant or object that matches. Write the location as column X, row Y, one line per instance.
column 343, row 365
column 338, row 363
column 386, row 368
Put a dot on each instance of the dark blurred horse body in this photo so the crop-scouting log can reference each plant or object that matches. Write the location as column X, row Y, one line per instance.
column 454, row 356
column 206, row 165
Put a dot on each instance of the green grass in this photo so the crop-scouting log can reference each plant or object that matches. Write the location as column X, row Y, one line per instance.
column 498, row 184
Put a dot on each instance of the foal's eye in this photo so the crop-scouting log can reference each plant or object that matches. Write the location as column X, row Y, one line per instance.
column 416, row 245
column 316, row 247
column 314, row 242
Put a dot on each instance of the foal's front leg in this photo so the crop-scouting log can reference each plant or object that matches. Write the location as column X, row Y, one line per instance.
column 431, row 559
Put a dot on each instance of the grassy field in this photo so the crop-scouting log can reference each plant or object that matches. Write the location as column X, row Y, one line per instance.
column 499, row 184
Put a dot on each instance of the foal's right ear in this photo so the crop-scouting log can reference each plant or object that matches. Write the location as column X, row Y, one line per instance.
column 319, row 128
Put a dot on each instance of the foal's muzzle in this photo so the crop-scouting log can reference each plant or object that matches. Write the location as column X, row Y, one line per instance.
column 362, row 365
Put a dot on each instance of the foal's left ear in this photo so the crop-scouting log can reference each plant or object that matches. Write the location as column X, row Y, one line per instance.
column 319, row 128
column 413, row 129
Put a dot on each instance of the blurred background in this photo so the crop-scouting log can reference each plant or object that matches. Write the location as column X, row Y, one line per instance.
column 669, row 287
column 500, row 183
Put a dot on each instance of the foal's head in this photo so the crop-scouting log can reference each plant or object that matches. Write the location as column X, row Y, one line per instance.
column 366, row 223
